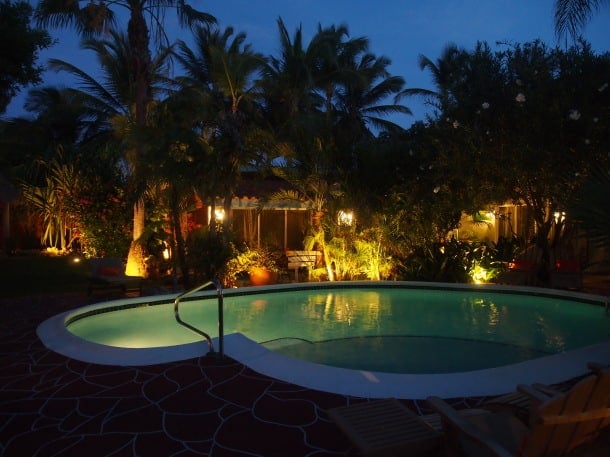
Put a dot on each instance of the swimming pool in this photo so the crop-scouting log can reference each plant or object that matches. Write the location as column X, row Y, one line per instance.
column 381, row 329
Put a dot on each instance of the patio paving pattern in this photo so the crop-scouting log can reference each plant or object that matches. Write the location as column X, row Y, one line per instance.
column 51, row 405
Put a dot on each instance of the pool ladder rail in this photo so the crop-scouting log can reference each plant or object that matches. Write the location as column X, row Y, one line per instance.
column 216, row 283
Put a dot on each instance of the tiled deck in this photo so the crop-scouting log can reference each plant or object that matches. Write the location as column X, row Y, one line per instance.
column 51, row 405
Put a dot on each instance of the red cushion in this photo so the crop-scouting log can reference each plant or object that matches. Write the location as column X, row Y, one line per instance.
column 521, row 264
column 109, row 271
column 568, row 266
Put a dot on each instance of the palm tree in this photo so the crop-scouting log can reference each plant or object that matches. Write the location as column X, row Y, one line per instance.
column 103, row 106
column 572, row 15
column 107, row 101
column 363, row 102
column 224, row 68
column 443, row 71
column 95, row 118
column 93, row 18
column 177, row 156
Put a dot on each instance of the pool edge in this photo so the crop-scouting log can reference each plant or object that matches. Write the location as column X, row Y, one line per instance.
column 549, row 370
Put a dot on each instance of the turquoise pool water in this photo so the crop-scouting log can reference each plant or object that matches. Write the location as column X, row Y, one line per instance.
column 392, row 330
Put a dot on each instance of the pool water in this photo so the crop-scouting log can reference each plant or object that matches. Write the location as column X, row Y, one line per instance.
column 397, row 354
column 382, row 329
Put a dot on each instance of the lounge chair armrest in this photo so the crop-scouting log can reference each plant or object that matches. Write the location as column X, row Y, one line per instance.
column 597, row 367
column 548, row 391
column 452, row 418
column 538, row 394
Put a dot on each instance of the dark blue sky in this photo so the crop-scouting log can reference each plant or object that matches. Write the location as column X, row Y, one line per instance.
column 398, row 29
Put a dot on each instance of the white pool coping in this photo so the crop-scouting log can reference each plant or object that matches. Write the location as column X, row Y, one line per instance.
column 359, row 383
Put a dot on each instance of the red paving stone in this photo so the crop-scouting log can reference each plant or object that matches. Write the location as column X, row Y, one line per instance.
column 54, row 406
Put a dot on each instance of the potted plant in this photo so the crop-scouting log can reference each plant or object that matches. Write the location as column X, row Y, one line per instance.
column 261, row 264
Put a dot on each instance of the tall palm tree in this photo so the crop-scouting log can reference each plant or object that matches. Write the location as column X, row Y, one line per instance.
column 572, row 15
column 288, row 81
column 443, row 72
column 364, row 101
column 91, row 18
column 97, row 115
column 225, row 69
column 107, row 101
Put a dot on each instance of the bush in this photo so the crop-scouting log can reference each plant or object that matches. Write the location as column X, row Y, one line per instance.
column 207, row 255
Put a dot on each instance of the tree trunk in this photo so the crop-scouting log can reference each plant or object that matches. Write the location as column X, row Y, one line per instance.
column 180, row 244
column 136, row 265
column 139, row 40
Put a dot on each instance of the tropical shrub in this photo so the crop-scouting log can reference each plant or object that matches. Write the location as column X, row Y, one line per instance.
column 248, row 259
column 208, row 255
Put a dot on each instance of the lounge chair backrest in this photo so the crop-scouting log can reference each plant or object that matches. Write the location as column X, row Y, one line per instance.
column 106, row 267
column 567, row 420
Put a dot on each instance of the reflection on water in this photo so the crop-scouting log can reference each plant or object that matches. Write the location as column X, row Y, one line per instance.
column 515, row 320
column 342, row 308
column 521, row 324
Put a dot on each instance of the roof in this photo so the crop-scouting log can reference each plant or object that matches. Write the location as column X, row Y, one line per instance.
column 252, row 191
column 253, row 186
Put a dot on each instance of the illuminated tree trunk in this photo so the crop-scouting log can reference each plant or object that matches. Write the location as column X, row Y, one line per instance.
column 139, row 40
column 136, row 265
column 318, row 242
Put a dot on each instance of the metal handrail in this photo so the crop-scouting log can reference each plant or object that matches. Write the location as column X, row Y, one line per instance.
column 218, row 286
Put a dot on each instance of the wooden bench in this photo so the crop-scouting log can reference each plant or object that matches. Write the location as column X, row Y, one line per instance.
column 302, row 259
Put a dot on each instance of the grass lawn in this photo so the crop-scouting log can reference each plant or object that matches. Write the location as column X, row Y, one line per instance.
column 39, row 274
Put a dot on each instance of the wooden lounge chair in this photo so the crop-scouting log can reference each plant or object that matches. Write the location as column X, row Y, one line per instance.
column 386, row 428
column 108, row 274
column 557, row 424
column 520, row 403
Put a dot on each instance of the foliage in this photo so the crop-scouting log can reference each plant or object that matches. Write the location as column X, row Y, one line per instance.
column 99, row 18
column 81, row 208
column 525, row 123
column 571, row 16
column 250, row 258
column 208, row 255
column 350, row 253
column 221, row 67
column 49, row 199
column 103, row 220
column 20, row 46
column 375, row 261
column 451, row 262
column 589, row 207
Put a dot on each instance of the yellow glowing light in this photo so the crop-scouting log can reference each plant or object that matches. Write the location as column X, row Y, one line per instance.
column 479, row 274
column 219, row 214
column 345, row 217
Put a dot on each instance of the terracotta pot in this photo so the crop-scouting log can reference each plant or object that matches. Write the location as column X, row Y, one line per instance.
column 262, row 277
